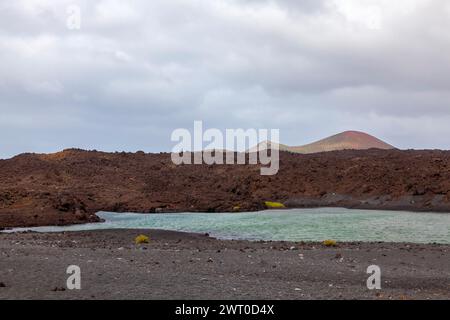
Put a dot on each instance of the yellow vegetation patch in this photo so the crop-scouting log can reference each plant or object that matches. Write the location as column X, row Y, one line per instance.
column 329, row 243
column 274, row 205
column 141, row 239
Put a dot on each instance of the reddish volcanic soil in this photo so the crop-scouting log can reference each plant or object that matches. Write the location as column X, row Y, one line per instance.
column 348, row 140
column 71, row 186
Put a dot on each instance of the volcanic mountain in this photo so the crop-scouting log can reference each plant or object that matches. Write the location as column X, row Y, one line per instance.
column 348, row 140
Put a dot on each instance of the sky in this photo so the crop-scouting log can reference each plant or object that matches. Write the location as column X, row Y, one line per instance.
column 122, row 75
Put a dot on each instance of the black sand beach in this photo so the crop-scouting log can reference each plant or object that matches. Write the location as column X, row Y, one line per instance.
column 190, row 266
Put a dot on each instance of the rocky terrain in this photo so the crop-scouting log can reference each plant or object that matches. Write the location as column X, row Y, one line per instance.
column 184, row 266
column 71, row 186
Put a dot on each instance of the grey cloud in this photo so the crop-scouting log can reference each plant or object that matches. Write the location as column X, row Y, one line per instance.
column 139, row 69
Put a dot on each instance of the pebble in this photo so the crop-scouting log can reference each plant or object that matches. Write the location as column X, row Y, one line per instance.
column 59, row 289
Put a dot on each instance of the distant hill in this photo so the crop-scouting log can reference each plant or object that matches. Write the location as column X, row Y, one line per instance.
column 348, row 140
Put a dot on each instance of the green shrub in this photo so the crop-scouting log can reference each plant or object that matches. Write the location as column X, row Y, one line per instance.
column 329, row 243
column 274, row 205
column 141, row 239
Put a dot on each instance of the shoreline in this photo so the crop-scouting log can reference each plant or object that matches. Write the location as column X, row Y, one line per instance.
column 175, row 265
column 362, row 207
column 143, row 221
column 206, row 235
column 187, row 234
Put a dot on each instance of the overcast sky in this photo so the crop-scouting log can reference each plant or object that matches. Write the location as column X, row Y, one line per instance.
column 137, row 70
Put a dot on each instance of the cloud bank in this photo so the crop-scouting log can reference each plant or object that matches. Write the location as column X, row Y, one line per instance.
column 136, row 70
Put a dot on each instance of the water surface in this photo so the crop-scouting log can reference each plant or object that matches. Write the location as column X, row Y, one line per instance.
column 290, row 225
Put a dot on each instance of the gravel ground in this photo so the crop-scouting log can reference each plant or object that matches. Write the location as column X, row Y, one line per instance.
column 190, row 266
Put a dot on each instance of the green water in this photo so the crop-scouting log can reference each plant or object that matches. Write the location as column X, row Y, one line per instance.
column 293, row 225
